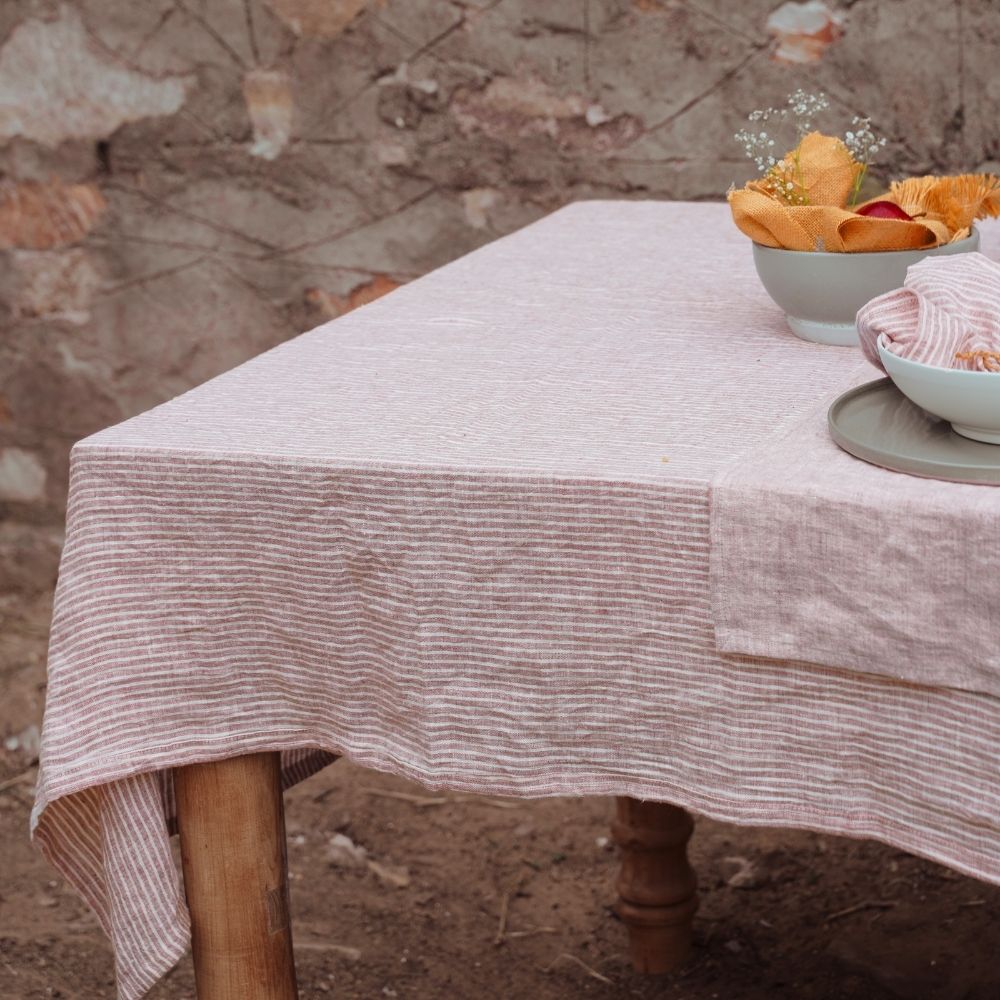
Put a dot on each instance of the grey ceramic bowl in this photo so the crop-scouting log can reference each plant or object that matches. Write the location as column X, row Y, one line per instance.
column 968, row 400
column 821, row 293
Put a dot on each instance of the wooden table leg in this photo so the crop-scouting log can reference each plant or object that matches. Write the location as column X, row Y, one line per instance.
column 657, row 887
column 232, row 832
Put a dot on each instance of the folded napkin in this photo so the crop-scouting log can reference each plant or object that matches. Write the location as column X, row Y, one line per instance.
column 827, row 227
column 947, row 314
column 801, row 204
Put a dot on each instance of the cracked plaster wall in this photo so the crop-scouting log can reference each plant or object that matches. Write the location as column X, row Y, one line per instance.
column 184, row 183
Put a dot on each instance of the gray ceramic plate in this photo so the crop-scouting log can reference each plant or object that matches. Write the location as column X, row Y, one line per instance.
column 877, row 423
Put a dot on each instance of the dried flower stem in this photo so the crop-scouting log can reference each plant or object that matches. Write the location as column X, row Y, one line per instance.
column 783, row 177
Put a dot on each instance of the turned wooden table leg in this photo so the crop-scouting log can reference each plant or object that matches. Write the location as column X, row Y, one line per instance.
column 232, row 832
column 657, row 887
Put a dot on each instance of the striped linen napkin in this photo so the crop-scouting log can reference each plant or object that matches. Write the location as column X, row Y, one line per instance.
column 946, row 314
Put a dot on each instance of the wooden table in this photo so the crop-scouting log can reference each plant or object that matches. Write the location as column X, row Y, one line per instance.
column 463, row 535
column 232, row 833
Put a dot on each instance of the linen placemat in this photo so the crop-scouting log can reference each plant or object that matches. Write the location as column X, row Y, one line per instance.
column 818, row 556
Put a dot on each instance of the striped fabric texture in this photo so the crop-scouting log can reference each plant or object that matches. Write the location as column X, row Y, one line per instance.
column 819, row 557
column 947, row 314
column 463, row 535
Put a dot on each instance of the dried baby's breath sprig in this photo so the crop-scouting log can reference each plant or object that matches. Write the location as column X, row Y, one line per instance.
column 761, row 145
column 805, row 107
column 864, row 146
column 784, row 180
column 861, row 141
column 782, row 175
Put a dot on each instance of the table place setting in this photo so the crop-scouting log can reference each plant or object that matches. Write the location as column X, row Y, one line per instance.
column 899, row 273
column 810, row 547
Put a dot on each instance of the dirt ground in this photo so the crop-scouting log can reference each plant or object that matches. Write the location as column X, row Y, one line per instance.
column 816, row 918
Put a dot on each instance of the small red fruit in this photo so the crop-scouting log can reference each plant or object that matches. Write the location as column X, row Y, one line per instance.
column 883, row 210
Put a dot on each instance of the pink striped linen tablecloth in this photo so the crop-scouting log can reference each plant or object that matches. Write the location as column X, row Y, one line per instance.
column 462, row 535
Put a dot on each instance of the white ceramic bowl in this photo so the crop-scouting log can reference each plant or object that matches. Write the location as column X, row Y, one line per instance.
column 821, row 293
column 969, row 401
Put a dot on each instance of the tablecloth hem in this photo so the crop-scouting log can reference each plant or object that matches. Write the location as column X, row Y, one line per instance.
column 309, row 754
column 858, row 575
column 862, row 824
column 738, row 646
column 306, row 462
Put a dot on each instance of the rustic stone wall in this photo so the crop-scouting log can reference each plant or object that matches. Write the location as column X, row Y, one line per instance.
column 184, row 183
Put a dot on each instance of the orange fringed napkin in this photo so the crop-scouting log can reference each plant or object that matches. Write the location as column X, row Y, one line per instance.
column 956, row 202
column 826, row 227
column 801, row 204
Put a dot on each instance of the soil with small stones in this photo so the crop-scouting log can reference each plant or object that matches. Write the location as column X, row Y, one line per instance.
column 783, row 913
